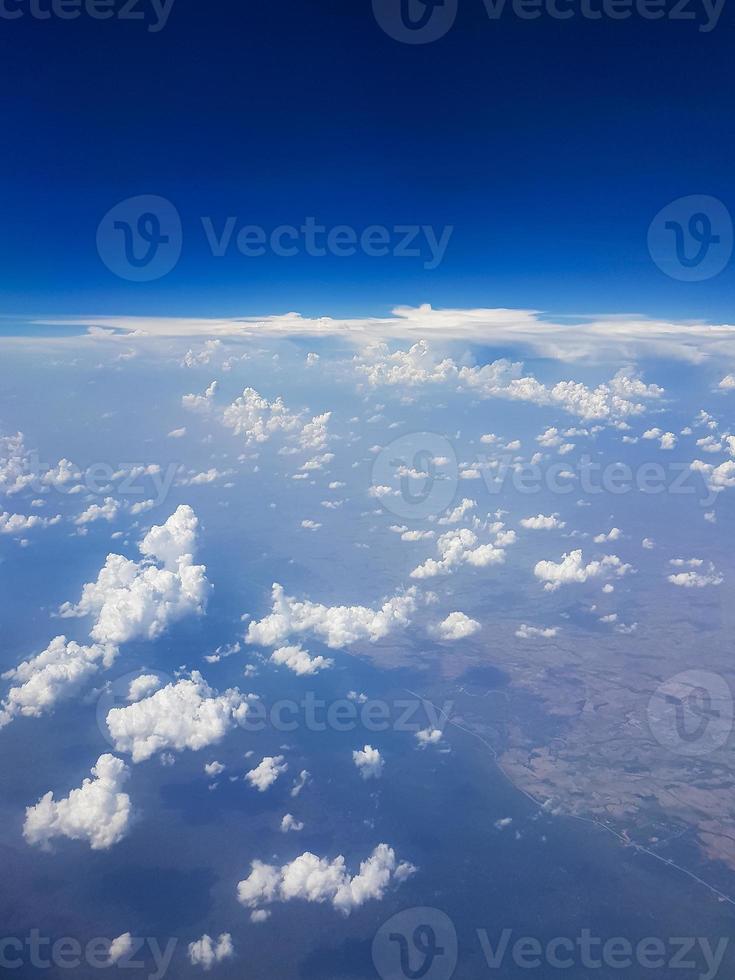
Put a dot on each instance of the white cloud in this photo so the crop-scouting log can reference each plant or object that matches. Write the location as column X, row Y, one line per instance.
column 205, row 952
column 141, row 687
column 542, row 522
column 267, row 772
column 459, row 512
column 106, row 511
column 428, row 736
column 53, row 675
column 119, row 947
column 290, row 823
column 185, row 714
column 336, row 626
column 612, row 535
column 214, row 769
column 369, row 762
column 531, row 632
column 314, row 879
column 572, row 569
column 462, row 547
column 727, row 383
column 98, row 812
column 139, row 600
column 19, row 523
column 457, row 626
column 699, row 579
column 298, row 660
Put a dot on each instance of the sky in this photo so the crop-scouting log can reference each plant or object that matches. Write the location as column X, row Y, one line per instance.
column 547, row 146
column 367, row 464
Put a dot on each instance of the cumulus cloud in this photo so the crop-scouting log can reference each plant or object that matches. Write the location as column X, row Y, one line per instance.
column 98, row 812
column 106, row 511
column 698, row 576
column 290, row 823
column 542, row 523
column 267, row 772
column 139, row 600
column 458, row 514
column 462, row 547
column 119, row 947
column 369, row 762
column 205, row 952
column 457, row 626
column 299, row 661
column 428, row 736
column 20, row 523
column 573, row 569
column 623, row 396
column 141, row 687
column 53, row 675
column 531, row 632
column 314, row 879
column 336, row 626
column 185, row 714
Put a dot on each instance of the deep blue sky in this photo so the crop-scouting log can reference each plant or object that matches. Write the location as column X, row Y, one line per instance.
column 549, row 145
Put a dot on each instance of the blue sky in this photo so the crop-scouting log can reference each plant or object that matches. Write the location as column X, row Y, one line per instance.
column 547, row 145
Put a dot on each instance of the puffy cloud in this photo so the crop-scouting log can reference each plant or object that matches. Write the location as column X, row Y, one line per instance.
column 205, row 952
column 119, row 947
column 530, row 632
column 201, row 403
column 369, row 762
column 718, row 478
column 214, row 768
column 457, row 626
column 542, row 523
column 428, row 736
column 132, row 600
column 185, row 714
column 267, row 772
column 624, row 395
column 106, row 511
column 667, row 440
column 314, row 879
column 299, row 661
column 699, row 575
column 572, row 569
column 20, row 469
column 98, row 812
column 290, row 823
column 727, row 383
column 462, row 547
column 141, row 687
column 336, row 626
column 19, row 523
column 459, row 513
column 612, row 535
column 53, row 675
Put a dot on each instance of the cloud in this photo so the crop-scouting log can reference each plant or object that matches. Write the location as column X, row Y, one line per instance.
column 428, row 736
column 530, row 632
column 119, row 947
column 205, row 952
column 267, row 772
column 139, row 600
column 542, row 522
column 314, row 879
column 457, row 626
column 290, row 823
column 53, row 675
column 19, row 523
column 699, row 575
column 336, row 626
column 141, row 687
column 462, row 547
column 98, row 812
column 299, row 661
column 572, row 569
column 185, row 714
column 106, row 511
column 369, row 762
column 459, row 512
